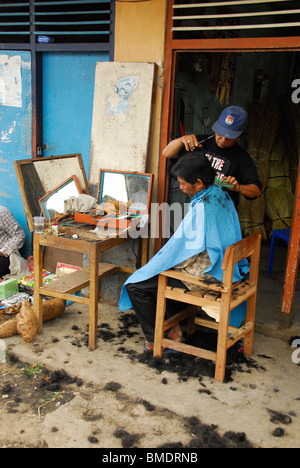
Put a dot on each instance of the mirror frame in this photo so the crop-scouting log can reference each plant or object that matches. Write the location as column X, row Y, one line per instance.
column 43, row 200
column 138, row 174
column 23, row 169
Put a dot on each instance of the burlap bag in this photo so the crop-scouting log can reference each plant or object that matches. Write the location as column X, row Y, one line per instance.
column 27, row 324
column 8, row 326
column 53, row 309
column 8, row 321
column 21, row 318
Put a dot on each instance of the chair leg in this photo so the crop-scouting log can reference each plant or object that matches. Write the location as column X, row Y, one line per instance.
column 220, row 363
column 250, row 317
column 222, row 344
column 191, row 326
column 271, row 254
column 160, row 316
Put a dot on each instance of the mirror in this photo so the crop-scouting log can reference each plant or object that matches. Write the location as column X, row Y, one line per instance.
column 53, row 202
column 37, row 177
column 125, row 187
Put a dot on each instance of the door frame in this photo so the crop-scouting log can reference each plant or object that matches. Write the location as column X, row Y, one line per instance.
column 173, row 47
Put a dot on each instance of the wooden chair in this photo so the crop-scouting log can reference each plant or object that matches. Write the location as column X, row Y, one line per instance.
column 223, row 297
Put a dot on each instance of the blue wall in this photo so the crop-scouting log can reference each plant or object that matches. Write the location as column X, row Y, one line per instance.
column 68, row 92
column 15, row 138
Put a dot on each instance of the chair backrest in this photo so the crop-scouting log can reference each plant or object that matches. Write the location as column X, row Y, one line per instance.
column 249, row 247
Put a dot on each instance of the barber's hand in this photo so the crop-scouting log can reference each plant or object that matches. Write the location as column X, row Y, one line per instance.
column 190, row 142
column 2, row 254
column 229, row 180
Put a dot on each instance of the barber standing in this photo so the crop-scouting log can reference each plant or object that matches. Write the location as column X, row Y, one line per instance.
column 232, row 164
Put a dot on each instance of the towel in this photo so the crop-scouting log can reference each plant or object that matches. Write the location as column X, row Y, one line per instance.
column 81, row 203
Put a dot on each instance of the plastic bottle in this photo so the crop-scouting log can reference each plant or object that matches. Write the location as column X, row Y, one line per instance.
column 55, row 228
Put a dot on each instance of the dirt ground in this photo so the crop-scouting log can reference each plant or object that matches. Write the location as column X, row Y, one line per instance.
column 57, row 393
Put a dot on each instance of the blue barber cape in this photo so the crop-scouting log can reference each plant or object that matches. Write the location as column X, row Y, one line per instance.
column 211, row 224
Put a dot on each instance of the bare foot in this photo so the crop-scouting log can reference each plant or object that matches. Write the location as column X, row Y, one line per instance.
column 175, row 333
column 148, row 346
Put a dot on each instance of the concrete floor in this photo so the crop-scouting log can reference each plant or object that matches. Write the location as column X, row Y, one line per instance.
column 270, row 290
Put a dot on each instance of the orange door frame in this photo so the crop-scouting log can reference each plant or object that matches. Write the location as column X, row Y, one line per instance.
column 292, row 264
column 172, row 48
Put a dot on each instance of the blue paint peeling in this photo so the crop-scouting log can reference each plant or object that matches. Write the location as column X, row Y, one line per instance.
column 15, row 144
column 68, row 89
column 68, row 94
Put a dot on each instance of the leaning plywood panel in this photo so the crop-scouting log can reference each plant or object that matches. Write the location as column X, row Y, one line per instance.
column 121, row 117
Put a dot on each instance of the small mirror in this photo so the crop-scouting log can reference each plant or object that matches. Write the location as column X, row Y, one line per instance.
column 129, row 188
column 40, row 176
column 53, row 202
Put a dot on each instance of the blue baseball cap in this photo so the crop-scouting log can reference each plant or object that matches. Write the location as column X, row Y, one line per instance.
column 231, row 122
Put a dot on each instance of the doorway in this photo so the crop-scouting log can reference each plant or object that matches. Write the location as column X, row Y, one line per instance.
column 269, row 73
column 205, row 83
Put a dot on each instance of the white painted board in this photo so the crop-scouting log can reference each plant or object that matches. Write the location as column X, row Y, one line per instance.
column 121, row 117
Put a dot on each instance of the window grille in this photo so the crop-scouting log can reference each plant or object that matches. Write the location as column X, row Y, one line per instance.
column 52, row 21
column 15, row 22
column 236, row 18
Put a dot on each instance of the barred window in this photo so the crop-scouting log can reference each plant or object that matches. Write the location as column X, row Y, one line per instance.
column 235, row 18
column 56, row 22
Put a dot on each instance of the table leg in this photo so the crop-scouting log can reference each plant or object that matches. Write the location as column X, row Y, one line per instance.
column 94, row 297
column 38, row 280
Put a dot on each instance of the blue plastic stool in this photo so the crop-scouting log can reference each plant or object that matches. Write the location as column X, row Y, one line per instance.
column 277, row 233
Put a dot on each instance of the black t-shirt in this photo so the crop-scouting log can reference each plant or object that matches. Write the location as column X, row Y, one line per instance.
column 233, row 161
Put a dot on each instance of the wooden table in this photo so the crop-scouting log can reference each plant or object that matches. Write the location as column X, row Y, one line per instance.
column 65, row 287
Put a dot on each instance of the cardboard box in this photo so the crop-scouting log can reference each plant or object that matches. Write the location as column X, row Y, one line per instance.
column 8, row 288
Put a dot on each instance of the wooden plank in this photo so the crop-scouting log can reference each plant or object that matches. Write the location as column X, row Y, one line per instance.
column 188, row 349
column 65, row 243
column 213, row 296
column 38, row 281
column 225, row 306
column 166, row 116
column 52, row 256
column 239, row 333
column 94, row 296
column 194, row 280
column 213, row 325
column 79, row 279
column 172, row 321
column 293, row 256
column 241, row 44
column 227, row 3
column 65, row 296
column 241, row 249
column 243, row 297
column 237, row 15
column 206, row 323
column 70, row 283
column 199, row 292
column 160, row 316
column 191, row 298
column 124, row 269
column 179, row 290
column 127, row 142
column 239, row 26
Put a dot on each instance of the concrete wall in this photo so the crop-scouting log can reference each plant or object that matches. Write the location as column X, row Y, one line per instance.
column 140, row 37
column 15, row 129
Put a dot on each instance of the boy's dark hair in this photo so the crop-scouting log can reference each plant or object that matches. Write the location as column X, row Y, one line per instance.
column 193, row 166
